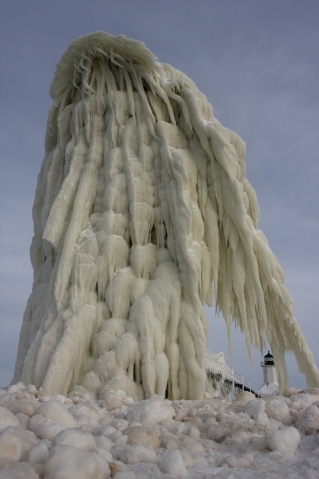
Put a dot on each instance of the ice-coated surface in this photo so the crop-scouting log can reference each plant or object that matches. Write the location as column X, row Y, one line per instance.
column 212, row 438
column 151, row 411
column 7, row 418
column 284, row 440
column 143, row 215
column 172, row 463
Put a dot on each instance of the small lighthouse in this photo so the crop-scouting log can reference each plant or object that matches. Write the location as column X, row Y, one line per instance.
column 271, row 385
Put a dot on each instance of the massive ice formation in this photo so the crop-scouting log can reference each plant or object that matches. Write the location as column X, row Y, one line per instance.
column 142, row 215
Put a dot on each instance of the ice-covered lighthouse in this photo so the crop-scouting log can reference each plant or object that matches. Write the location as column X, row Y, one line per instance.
column 271, row 385
column 143, row 215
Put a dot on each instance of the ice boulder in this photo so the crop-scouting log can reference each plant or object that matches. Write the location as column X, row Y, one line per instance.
column 254, row 407
column 245, row 396
column 277, row 409
column 308, row 419
column 57, row 412
column 10, row 446
column 113, row 399
column 18, row 471
column 283, row 440
column 38, row 454
column 7, row 418
column 72, row 463
column 151, row 411
column 172, row 463
column 48, row 429
column 143, row 435
column 76, row 438
column 136, row 454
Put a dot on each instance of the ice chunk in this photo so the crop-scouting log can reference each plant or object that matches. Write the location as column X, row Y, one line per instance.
column 7, row 418
column 136, row 454
column 308, row 419
column 151, row 411
column 38, row 454
column 55, row 411
column 254, row 407
column 73, row 463
column 10, row 446
column 18, row 471
column 284, row 440
column 143, row 435
column 278, row 409
column 172, row 463
column 76, row 438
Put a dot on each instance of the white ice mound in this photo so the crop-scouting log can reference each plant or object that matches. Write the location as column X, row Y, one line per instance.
column 151, row 411
column 284, row 440
column 142, row 215
column 7, row 418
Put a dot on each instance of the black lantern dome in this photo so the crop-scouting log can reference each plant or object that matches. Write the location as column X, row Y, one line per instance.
column 269, row 359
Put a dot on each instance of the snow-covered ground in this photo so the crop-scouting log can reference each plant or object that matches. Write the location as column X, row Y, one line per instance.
column 83, row 438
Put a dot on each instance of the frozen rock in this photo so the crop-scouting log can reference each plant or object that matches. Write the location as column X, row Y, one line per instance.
column 55, row 411
column 73, row 463
column 254, row 407
column 301, row 401
column 172, row 463
column 136, row 454
column 151, row 411
column 102, row 441
column 108, row 430
column 10, row 446
column 116, row 467
column 31, row 389
column 308, row 419
column 192, row 445
column 193, row 432
column 142, row 435
column 104, row 453
column 277, row 409
column 27, row 439
column 38, row 454
column 25, row 406
column 20, row 386
column 312, row 391
column 284, row 440
column 259, row 442
column 48, row 429
column 262, row 419
column 120, row 424
column 7, row 418
column 23, row 420
column 125, row 475
column 169, row 441
column 187, row 458
column 291, row 391
column 239, row 462
column 18, row 471
column 230, row 426
column 76, row 438
column 245, row 396
column 113, row 400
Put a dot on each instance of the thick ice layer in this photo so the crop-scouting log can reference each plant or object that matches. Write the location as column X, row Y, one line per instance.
column 142, row 216
column 193, row 439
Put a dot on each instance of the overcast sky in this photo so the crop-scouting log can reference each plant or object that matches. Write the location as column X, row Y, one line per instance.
column 255, row 60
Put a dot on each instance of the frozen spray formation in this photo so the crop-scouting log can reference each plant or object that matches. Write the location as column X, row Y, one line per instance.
column 142, row 216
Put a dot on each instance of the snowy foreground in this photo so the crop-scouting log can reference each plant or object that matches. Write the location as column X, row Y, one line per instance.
column 82, row 438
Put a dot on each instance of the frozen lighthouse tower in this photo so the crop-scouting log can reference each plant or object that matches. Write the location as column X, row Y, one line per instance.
column 271, row 385
column 143, row 215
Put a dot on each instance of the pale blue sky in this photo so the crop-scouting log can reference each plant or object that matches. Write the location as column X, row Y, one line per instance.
column 256, row 61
